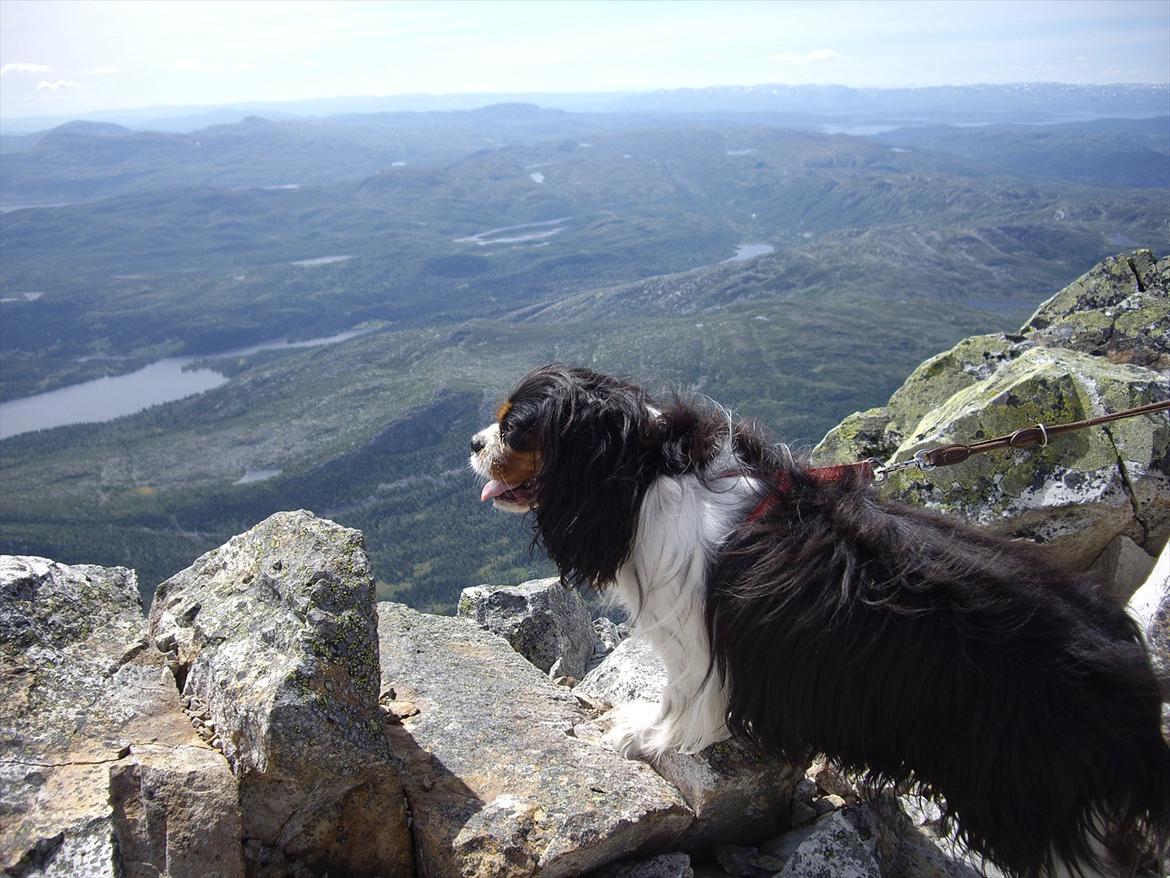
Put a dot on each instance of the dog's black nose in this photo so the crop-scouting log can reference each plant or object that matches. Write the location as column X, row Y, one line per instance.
column 477, row 444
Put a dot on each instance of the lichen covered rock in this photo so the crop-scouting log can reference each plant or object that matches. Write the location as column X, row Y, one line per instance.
column 101, row 774
column 1119, row 309
column 275, row 632
column 1085, row 489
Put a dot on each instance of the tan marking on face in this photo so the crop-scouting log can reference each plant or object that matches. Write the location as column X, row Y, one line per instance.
column 502, row 411
column 516, row 467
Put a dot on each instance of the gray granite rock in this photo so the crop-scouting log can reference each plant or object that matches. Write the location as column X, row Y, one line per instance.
column 921, row 856
column 833, row 849
column 498, row 783
column 1119, row 309
column 677, row 865
column 545, row 622
column 1121, row 568
column 631, row 672
column 275, row 634
column 101, row 773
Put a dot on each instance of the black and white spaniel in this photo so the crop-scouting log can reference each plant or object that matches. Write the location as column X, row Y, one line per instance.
column 799, row 612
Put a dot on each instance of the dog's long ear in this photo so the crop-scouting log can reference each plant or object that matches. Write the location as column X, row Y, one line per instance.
column 599, row 448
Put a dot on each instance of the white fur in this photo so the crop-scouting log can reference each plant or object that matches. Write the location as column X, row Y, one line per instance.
column 493, row 449
column 682, row 523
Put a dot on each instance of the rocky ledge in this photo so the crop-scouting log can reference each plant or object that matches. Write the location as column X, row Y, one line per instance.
column 268, row 720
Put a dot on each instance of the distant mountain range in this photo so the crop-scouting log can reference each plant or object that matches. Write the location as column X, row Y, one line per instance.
column 1027, row 101
column 1017, row 102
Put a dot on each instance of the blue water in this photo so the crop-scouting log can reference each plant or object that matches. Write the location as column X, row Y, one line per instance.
column 104, row 399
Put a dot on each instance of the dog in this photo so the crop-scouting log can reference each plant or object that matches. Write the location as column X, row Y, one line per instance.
column 795, row 610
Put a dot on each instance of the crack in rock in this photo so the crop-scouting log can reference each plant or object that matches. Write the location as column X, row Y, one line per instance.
column 1127, row 486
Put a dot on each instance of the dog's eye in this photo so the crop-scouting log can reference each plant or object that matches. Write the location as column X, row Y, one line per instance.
column 516, row 437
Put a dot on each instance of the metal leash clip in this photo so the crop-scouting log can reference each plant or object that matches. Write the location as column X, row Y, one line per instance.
column 882, row 470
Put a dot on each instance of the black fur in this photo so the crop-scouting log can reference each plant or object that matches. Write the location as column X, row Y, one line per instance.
column 900, row 643
column 598, row 459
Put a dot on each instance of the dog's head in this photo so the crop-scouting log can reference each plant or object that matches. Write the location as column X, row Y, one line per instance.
column 577, row 448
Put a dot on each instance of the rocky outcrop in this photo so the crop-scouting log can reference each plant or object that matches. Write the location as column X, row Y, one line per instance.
column 102, row 774
column 275, row 636
column 545, row 622
column 1102, row 344
column 498, row 782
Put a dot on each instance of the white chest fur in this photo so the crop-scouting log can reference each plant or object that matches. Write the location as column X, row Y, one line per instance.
column 682, row 524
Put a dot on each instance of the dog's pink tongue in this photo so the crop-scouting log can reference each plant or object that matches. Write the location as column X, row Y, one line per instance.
column 494, row 488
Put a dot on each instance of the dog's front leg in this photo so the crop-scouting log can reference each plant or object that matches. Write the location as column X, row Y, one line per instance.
column 635, row 728
column 690, row 716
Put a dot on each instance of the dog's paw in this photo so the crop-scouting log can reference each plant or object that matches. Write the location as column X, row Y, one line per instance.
column 632, row 731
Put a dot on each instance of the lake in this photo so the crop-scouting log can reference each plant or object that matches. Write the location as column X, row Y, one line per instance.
column 750, row 251
column 104, row 399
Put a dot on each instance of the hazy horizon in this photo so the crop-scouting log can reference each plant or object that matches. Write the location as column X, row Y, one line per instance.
column 73, row 59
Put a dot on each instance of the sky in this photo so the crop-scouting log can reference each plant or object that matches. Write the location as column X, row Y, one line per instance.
column 60, row 58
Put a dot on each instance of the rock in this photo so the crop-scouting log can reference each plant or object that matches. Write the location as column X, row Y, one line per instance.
column 676, row 865
column 735, row 793
column 801, row 813
column 1082, row 490
column 1119, row 309
column 833, row 849
column 275, row 635
column 631, row 672
column 1121, row 567
column 920, row 856
column 101, row 772
column 498, row 784
column 831, row 781
column 1086, row 488
column 609, row 634
column 736, row 860
column 784, row 845
column 544, row 621
column 1150, row 607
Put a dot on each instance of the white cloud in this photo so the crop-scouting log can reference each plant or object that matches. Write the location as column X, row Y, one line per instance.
column 245, row 67
column 806, row 57
column 62, row 84
column 104, row 70
column 19, row 67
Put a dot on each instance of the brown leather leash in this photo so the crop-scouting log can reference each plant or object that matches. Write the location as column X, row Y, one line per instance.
column 1028, row 437
column 948, row 455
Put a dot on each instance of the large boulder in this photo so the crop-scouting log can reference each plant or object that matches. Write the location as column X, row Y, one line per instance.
column 736, row 793
column 1098, row 346
column 544, row 621
column 499, row 784
column 101, row 773
column 274, row 635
